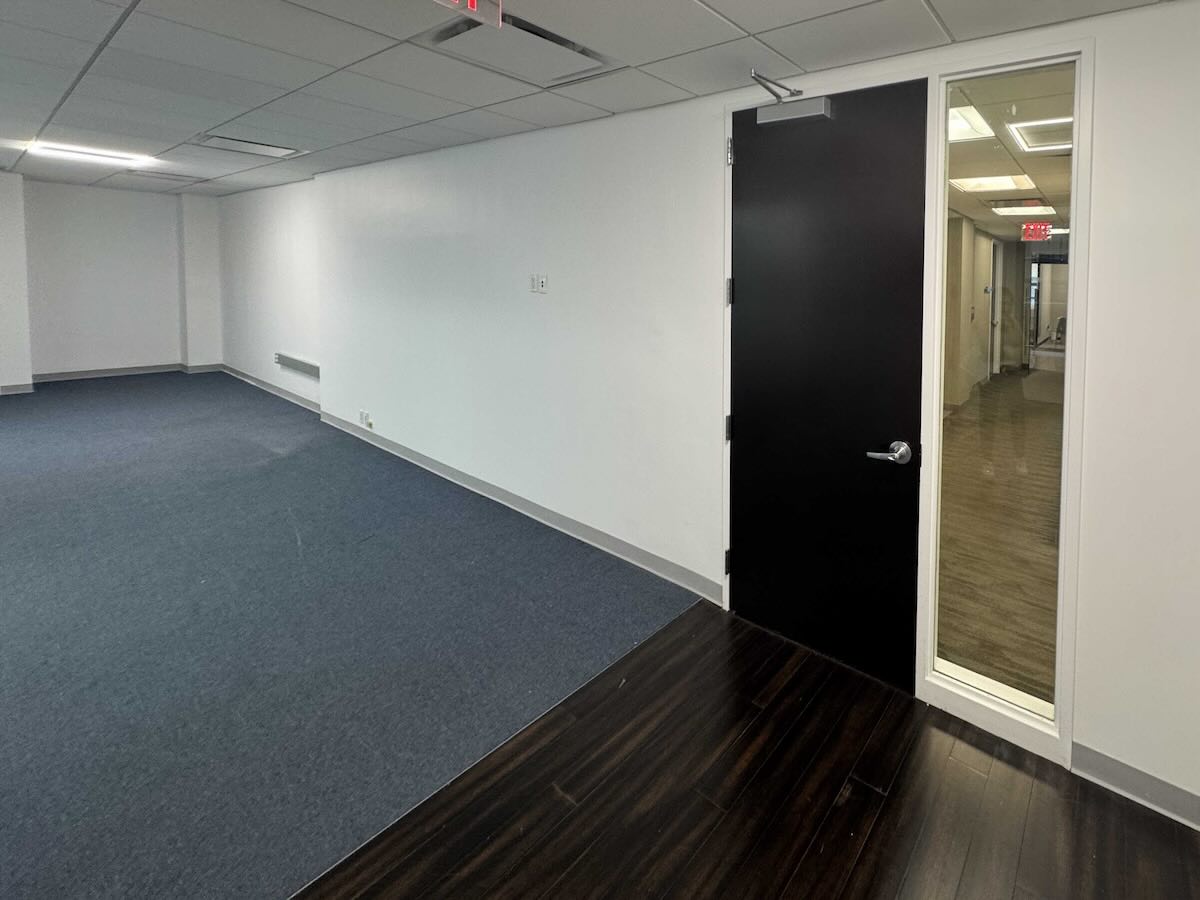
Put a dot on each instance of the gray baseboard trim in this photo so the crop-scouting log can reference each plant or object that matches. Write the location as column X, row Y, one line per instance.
column 270, row 388
column 200, row 370
column 106, row 373
column 1166, row 798
column 673, row 572
column 6, row 389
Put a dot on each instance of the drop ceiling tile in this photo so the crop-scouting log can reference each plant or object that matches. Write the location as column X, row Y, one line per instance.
column 761, row 15
column 274, row 24
column 87, row 20
column 723, row 67
column 423, row 70
column 206, row 162
column 42, row 76
column 208, row 189
column 987, row 156
column 162, row 74
column 632, row 31
column 118, row 90
column 189, row 46
column 399, row 20
column 623, row 91
column 108, row 139
column 434, row 135
column 93, row 112
column 389, row 145
column 370, row 93
column 266, row 176
column 885, row 28
column 19, row 126
column 976, row 18
column 356, row 118
column 485, row 124
column 309, row 129
column 133, row 181
column 548, row 110
column 20, row 42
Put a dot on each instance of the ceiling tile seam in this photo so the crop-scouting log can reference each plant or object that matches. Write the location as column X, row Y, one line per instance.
column 937, row 17
column 825, row 15
column 247, row 43
column 321, row 12
column 489, row 108
column 91, row 60
column 724, row 18
column 444, row 55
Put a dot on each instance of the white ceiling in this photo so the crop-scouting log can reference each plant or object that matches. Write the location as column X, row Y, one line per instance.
column 357, row 81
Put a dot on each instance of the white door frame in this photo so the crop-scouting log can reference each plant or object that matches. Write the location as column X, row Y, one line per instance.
column 1050, row 739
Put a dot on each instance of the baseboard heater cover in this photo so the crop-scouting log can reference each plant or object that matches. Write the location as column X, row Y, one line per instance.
column 304, row 367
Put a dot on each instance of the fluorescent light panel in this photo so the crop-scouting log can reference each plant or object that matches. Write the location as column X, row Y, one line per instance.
column 91, row 155
column 1060, row 230
column 987, row 183
column 1016, row 130
column 967, row 124
column 1029, row 211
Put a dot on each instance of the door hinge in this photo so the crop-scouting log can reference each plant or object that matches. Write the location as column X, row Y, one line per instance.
column 726, row 562
column 729, row 292
column 729, row 428
column 729, row 151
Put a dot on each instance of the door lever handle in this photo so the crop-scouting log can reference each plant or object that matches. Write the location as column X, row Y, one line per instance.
column 899, row 453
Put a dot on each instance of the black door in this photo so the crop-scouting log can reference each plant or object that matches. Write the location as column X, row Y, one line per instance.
column 828, row 238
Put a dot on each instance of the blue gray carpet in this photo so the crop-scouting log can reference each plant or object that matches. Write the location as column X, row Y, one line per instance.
column 235, row 642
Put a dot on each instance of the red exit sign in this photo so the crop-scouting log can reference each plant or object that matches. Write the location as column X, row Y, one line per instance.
column 486, row 11
column 1035, row 231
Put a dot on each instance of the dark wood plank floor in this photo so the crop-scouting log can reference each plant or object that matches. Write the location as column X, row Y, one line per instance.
column 718, row 760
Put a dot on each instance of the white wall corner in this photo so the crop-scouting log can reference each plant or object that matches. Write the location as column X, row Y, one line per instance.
column 200, row 319
column 16, row 357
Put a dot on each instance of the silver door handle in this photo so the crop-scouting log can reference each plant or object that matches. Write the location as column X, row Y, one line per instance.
column 899, row 453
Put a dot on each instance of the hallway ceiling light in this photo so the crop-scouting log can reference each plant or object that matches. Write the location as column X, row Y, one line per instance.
column 1029, row 211
column 966, row 124
column 1043, row 135
column 994, row 183
column 90, row 154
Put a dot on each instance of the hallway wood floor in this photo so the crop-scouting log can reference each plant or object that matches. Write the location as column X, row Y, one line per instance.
column 998, row 571
column 719, row 760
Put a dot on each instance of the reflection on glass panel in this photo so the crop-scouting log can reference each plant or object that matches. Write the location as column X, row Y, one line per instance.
column 1011, row 138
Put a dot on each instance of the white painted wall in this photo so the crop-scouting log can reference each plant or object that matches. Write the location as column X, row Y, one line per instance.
column 104, row 290
column 602, row 400
column 16, row 367
column 269, row 284
column 200, row 274
column 1139, row 616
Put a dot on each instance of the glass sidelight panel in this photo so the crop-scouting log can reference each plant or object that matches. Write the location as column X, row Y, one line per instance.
column 1011, row 137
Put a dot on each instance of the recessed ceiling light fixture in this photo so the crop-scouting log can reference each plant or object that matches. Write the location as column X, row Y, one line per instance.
column 986, row 183
column 1043, row 135
column 1039, row 211
column 966, row 124
column 90, row 154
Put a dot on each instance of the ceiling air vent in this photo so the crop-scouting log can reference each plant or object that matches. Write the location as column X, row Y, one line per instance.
column 228, row 143
column 521, row 49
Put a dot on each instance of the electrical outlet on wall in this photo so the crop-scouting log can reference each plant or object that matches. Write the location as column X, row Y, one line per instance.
column 533, row 284
column 365, row 420
column 543, row 284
